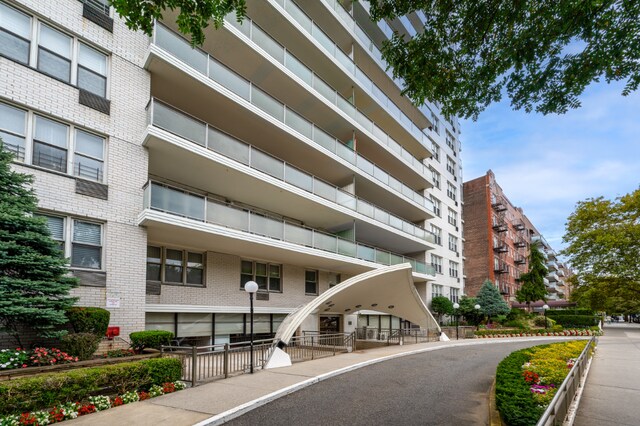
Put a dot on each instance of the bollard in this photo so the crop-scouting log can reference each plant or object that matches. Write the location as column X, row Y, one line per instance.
column 225, row 365
column 194, row 366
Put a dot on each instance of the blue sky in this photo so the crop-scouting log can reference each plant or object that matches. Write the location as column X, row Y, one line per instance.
column 545, row 164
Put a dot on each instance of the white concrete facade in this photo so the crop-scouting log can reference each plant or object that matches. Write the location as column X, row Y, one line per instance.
column 281, row 151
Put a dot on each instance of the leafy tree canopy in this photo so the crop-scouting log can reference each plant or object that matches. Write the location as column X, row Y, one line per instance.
column 490, row 301
column 533, row 288
column 34, row 288
column 441, row 306
column 542, row 54
column 468, row 311
column 603, row 239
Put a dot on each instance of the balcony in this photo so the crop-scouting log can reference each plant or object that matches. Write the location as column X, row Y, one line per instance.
column 520, row 243
column 500, row 226
column 501, row 268
column 500, row 247
column 552, row 265
column 518, row 225
column 561, row 272
column 553, row 277
column 187, row 218
column 237, row 92
column 520, row 259
column 499, row 206
column 250, row 168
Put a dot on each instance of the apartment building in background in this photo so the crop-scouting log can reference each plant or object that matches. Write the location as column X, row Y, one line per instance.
column 281, row 151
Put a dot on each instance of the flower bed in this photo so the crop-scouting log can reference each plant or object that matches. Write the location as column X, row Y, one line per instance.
column 483, row 334
column 93, row 404
column 22, row 358
column 527, row 380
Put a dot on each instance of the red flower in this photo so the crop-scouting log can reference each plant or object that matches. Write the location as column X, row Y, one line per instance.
column 117, row 401
column 168, row 387
column 143, row 395
column 86, row 409
column 27, row 419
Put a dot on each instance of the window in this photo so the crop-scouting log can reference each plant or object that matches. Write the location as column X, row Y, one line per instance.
column 334, row 279
column 436, row 206
column 451, row 191
column 451, row 143
column 436, row 177
column 79, row 240
column 452, row 218
column 451, row 166
column 438, row 234
column 13, row 129
column 436, row 262
column 15, row 34
column 436, row 151
column 56, row 53
column 54, row 145
column 175, row 266
column 266, row 275
column 453, row 243
column 436, row 122
column 453, row 269
column 454, row 294
column 436, row 290
column 311, row 282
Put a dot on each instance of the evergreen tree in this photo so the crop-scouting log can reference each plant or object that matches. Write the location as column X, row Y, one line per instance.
column 533, row 288
column 468, row 310
column 440, row 305
column 490, row 301
column 34, row 288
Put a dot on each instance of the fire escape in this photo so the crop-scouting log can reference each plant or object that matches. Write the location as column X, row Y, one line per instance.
column 521, row 244
column 500, row 247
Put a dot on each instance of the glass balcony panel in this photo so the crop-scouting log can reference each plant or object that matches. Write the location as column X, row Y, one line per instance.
column 299, row 16
column 408, row 157
column 345, row 60
column 266, row 226
column 345, row 152
column 364, row 121
column 298, row 178
column 365, row 165
column 347, row 248
column 395, row 183
column 379, row 94
column 298, row 235
column 381, row 215
column 394, row 259
column 380, row 174
column 266, row 163
column 380, row 134
column 366, row 253
column 365, row 208
column 345, row 199
column 407, row 192
column 395, row 222
column 265, row 41
column 231, row 217
column 179, row 124
column 297, row 122
column 324, row 139
column 322, row 38
column 325, row 242
column 395, row 146
column 411, row 261
column 324, row 190
column 298, row 68
column 226, row 145
column 177, row 202
column 382, row 257
column 346, row 106
column 244, row 27
column 324, row 89
column 267, row 103
column 181, row 49
column 363, row 79
column 408, row 228
column 229, row 79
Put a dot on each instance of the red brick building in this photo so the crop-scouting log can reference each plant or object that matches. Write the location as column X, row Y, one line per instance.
column 496, row 238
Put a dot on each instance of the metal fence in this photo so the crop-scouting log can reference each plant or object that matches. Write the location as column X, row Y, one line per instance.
column 400, row 336
column 559, row 406
column 315, row 345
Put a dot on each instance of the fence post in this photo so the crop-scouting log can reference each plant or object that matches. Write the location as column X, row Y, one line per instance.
column 312, row 347
column 225, row 363
column 161, row 351
column 194, row 366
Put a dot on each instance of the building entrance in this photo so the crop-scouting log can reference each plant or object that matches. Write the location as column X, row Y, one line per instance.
column 330, row 324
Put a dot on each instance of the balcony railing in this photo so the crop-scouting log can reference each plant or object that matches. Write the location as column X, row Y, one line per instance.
column 167, row 118
column 216, row 71
column 500, row 226
column 185, row 204
column 283, row 56
column 17, row 150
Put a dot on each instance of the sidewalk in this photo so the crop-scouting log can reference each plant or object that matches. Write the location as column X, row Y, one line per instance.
column 611, row 394
column 221, row 400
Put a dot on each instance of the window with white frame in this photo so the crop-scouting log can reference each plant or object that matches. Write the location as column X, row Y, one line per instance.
column 454, row 294
column 57, row 54
column 436, row 290
column 451, row 191
column 79, row 240
column 453, row 269
column 436, row 122
column 453, row 243
column 436, row 151
column 436, row 262
column 175, row 266
column 53, row 145
column 450, row 142
column 452, row 217
column 436, row 206
column 437, row 232
column 451, row 165
column 436, row 177
column 310, row 282
column 268, row 276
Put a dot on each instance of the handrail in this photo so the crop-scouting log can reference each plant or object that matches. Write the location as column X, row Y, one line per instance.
column 559, row 405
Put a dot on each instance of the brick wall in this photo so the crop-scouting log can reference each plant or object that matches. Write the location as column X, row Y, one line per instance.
column 478, row 265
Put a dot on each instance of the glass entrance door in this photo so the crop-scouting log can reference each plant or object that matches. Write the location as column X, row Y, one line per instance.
column 330, row 324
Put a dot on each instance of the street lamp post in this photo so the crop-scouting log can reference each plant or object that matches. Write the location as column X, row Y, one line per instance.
column 544, row 308
column 477, row 307
column 251, row 287
column 456, row 306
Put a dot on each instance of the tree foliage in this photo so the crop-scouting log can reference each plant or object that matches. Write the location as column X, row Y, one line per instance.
column 490, row 301
column 34, row 288
column 468, row 311
column 542, row 54
column 533, row 288
column 441, row 306
column 194, row 16
column 603, row 238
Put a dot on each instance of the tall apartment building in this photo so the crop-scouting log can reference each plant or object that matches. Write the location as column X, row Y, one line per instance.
column 497, row 238
column 281, row 151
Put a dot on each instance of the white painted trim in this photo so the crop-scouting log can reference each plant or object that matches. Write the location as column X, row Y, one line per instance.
column 203, row 309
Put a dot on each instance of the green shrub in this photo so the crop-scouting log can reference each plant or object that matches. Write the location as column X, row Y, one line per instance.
column 558, row 327
column 576, row 320
column 519, row 324
column 82, row 345
column 150, row 339
column 46, row 390
column 89, row 320
column 516, row 313
column 539, row 321
column 564, row 312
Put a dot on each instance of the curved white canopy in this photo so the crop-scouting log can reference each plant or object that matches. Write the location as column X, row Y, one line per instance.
column 389, row 290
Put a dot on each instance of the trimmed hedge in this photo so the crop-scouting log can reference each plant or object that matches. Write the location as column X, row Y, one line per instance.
column 46, row 390
column 82, row 345
column 514, row 399
column 150, row 339
column 89, row 320
column 563, row 312
column 576, row 320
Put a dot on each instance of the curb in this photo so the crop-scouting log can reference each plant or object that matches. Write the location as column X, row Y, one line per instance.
column 232, row 413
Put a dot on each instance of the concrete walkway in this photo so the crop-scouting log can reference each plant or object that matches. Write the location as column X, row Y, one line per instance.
column 611, row 394
column 222, row 400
